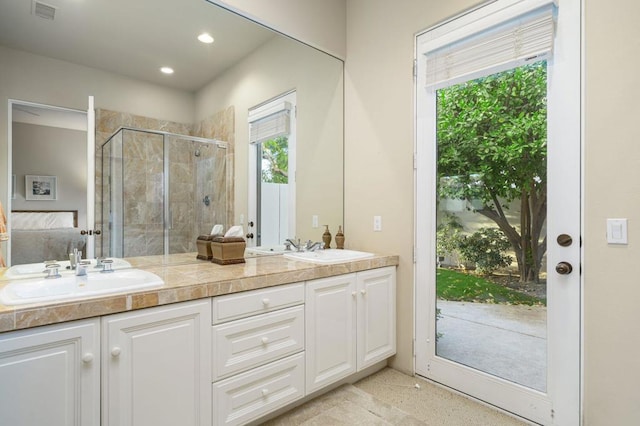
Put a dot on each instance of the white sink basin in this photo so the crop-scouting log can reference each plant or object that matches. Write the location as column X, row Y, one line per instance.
column 37, row 270
column 25, row 291
column 328, row 256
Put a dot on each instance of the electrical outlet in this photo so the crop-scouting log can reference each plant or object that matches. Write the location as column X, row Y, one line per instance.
column 377, row 223
column 314, row 221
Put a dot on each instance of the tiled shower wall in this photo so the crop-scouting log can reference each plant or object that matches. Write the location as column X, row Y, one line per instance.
column 191, row 178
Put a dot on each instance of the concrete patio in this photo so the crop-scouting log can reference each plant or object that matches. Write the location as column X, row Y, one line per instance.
column 508, row 341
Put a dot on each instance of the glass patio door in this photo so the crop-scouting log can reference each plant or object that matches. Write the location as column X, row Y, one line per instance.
column 498, row 215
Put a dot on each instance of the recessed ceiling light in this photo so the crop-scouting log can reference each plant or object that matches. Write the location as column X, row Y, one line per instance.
column 167, row 70
column 205, row 38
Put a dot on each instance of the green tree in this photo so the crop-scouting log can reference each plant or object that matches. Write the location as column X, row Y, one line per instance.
column 492, row 142
column 275, row 156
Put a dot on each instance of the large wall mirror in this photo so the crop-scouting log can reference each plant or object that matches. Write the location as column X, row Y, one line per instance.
column 203, row 116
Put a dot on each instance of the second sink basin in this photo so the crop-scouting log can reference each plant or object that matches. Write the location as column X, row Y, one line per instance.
column 328, row 256
column 35, row 270
column 25, row 291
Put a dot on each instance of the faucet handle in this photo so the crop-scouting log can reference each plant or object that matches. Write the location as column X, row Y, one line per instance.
column 52, row 271
column 81, row 268
column 107, row 265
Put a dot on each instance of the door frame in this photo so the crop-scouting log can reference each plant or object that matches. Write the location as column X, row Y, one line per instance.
column 90, row 196
column 561, row 404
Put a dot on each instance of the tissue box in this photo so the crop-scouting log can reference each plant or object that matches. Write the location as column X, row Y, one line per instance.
column 228, row 250
column 203, row 242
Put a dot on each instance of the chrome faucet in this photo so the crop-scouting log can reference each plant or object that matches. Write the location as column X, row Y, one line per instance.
column 313, row 246
column 297, row 245
column 75, row 258
column 81, row 268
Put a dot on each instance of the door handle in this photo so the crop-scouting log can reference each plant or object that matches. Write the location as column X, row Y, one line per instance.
column 564, row 268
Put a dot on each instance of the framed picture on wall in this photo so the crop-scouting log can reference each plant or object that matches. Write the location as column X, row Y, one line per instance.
column 41, row 187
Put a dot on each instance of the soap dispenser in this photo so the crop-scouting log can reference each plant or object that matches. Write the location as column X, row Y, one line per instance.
column 326, row 237
column 340, row 238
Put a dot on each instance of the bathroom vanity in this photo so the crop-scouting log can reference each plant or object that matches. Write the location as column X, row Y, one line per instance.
column 214, row 345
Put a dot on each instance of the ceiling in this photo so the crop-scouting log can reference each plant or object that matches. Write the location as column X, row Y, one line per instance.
column 135, row 37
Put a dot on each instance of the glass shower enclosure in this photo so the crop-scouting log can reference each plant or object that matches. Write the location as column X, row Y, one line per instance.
column 159, row 191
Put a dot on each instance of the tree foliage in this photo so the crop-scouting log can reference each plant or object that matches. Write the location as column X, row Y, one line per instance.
column 275, row 164
column 492, row 147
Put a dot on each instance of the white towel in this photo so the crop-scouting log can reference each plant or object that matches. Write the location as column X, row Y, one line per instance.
column 235, row 231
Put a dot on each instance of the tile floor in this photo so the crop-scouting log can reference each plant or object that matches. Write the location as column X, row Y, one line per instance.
column 392, row 398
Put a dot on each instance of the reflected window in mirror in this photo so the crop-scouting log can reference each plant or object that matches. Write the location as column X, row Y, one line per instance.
column 272, row 138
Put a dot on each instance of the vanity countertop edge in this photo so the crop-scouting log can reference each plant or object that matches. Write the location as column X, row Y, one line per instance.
column 184, row 279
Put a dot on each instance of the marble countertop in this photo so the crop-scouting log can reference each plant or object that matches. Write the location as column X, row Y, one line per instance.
column 184, row 279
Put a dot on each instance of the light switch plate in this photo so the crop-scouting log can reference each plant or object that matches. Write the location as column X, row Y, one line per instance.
column 617, row 231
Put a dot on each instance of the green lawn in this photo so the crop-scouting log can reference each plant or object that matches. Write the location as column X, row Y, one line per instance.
column 454, row 285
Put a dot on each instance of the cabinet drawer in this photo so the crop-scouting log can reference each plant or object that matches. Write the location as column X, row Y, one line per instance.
column 241, row 305
column 250, row 342
column 250, row 395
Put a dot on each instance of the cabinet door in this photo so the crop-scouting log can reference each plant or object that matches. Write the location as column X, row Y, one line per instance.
column 376, row 315
column 157, row 366
column 330, row 330
column 51, row 375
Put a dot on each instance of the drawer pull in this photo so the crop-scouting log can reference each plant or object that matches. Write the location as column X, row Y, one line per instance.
column 265, row 302
column 115, row 351
column 265, row 340
column 265, row 392
column 87, row 358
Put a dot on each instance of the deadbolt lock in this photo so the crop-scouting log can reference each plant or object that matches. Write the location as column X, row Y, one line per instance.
column 564, row 240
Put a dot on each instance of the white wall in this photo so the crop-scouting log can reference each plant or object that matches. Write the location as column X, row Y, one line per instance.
column 612, row 189
column 51, row 151
column 318, row 23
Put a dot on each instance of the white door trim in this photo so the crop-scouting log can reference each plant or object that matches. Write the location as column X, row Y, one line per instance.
column 561, row 403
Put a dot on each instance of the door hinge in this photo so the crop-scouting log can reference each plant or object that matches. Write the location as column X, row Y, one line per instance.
column 415, row 68
column 413, row 347
column 415, row 161
column 415, row 254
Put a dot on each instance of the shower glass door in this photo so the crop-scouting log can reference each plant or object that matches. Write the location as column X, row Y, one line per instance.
column 197, row 196
column 160, row 191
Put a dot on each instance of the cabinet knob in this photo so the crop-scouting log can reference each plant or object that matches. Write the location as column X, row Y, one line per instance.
column 87, row 358
column 115, row 351
column 265, row 301
column 363, row 292
column 265, row 340
column 354, row 294
column 265, row 392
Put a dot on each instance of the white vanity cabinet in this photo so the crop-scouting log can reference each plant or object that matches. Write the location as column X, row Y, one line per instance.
column 258, row 352
column 350, row 324
column 156, row 366
column 51, row 375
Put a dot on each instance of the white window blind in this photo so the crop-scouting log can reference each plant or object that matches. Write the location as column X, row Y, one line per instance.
column 480, row 51
column 270, row 123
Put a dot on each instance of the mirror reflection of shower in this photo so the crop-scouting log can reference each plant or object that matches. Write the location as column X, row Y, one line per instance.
column 154, row 187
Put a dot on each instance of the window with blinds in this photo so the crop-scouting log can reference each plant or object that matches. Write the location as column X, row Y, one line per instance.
column 488, row 47
column 270, row 123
